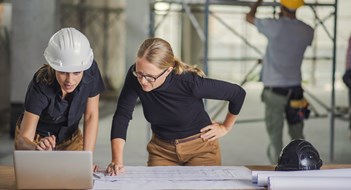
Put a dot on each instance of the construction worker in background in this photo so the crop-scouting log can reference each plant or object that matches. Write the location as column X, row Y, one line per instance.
column 288, row 39
column 58, row 96
column 347, row 78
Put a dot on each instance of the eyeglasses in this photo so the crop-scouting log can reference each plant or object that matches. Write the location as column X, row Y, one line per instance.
column 148, row 78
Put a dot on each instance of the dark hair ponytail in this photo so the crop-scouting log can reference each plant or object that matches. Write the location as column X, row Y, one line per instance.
column 45, row 74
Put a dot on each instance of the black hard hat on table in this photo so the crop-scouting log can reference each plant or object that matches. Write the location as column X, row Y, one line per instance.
column 299, row 155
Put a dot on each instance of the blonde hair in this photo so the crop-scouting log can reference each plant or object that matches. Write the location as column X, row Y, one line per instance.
column 45, row 74
column 159, row 52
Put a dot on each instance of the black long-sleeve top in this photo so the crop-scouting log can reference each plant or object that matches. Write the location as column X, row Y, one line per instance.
column 175, row 109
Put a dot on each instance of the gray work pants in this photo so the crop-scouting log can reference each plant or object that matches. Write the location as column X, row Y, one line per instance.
column 274, row 120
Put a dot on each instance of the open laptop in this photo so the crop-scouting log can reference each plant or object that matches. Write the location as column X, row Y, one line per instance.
column 53, row 169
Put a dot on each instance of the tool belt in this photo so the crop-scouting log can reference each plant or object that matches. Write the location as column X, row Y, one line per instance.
column 297, row 108
column 279, row 90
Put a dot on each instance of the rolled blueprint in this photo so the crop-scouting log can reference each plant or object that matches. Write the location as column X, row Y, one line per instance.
column 262, row 177
column 308, row 183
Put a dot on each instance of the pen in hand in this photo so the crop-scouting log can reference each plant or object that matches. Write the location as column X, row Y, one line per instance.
column 47, row 143
column 52, row 140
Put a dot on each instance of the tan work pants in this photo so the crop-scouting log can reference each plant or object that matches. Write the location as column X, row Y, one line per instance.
column 190, row 151
column 75, row 142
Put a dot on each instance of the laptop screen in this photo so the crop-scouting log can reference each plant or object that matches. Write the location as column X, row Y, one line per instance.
column 53, row 169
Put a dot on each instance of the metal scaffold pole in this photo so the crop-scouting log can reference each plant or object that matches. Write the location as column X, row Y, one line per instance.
column 332, row 103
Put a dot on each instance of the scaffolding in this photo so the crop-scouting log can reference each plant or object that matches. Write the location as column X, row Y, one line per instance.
column 189, row 7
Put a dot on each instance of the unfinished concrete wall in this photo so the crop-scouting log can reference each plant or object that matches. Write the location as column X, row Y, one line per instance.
column 5, row 20
column 33, row 23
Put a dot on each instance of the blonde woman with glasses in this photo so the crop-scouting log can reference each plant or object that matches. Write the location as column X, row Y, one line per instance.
column 172, row 94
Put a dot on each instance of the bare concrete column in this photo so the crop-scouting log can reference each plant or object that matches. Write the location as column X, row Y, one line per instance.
column 5, row 28
column 192, row 45
column 33, row 23
column 137, row 27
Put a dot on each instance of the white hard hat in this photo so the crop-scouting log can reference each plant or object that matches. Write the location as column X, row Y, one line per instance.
column 69, row 51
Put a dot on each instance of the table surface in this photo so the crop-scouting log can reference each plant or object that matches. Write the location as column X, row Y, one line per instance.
column 7, row 173
column 7, row 177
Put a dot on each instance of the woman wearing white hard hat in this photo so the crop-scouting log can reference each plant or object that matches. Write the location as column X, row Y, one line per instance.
column 60, row 93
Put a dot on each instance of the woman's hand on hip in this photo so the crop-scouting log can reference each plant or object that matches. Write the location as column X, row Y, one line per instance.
column 214, row 131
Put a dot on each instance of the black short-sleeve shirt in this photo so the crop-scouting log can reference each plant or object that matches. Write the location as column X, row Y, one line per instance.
column 57, row 113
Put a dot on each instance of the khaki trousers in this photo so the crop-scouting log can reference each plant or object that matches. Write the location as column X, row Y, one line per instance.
column 190, row 151
column 75, row 142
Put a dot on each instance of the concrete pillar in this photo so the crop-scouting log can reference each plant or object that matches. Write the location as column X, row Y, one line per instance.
column 5, row 28
column 33, row 23
column 137, row 27
column 192, row 46
column 103, row 23
column 115, row 47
